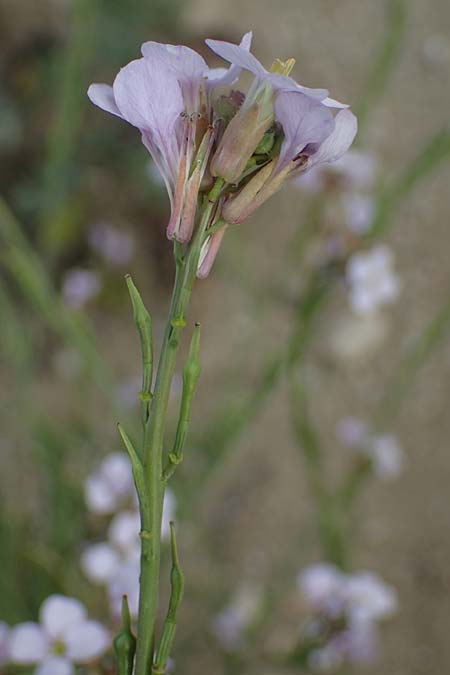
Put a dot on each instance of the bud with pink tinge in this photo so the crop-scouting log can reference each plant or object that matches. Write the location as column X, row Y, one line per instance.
column 243, row 134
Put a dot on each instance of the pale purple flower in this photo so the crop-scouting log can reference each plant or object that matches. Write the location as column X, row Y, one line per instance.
column 371, row 280
column 360, row 210
column 80, row 286
column 111, row 485
column 162, row 95
column 384, row 451
column 115, row 246
column 125, row 582
column 353, row 432
column 64, row 636
column 368, row 598
column 323, row 587
column 347, row 609
column 387, row 456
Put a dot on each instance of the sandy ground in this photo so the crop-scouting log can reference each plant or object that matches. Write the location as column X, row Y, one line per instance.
column 256, row 512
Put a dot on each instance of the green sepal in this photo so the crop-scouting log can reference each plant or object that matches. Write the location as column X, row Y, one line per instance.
column 143, row 323
column 136, row 465
column 170, row 623
column 191, row 374
column 125, row 642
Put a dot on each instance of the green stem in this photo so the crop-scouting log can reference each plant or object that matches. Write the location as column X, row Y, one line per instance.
column 186, row 269
column 327, row 513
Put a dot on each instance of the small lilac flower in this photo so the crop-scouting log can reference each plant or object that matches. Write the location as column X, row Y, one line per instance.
column 387, row 456
column 311, row 137
column 353, row 432
column 64, row 636
column 371, row 280
column 358, row 169
column 347, row 609
column 323, row 588
column 111, row 485
column 369, row 598
column 384, row 451
column 167, row 96
column 113, row 245
column 80, row 286
column 360, row 211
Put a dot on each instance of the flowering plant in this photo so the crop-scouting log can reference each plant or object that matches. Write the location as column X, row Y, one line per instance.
column 221, row 153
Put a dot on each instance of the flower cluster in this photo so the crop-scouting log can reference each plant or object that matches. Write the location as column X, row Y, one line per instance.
column 63, row 637
column 114, row 563
column 202, row 131
column 346, row 611
column 371, row 280
column 381, row 450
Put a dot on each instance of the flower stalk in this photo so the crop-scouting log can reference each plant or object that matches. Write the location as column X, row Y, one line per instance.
column 150, row 470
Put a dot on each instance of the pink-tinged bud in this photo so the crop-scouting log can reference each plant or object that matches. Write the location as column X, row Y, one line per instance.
column 262, row 186
column 182, row 220
column 242, row 136
column 209, row 252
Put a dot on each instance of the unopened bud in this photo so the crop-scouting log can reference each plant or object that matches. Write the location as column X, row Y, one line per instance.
column 262, row 186
column 242, row 136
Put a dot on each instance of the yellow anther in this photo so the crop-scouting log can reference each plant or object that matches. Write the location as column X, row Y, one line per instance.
column 282, row 67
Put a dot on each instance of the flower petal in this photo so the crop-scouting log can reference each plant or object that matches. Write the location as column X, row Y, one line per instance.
column 102, row 95
column 87, row 641
column 58, row 614
column 124, row 529
column 339, row 141
column 183, row 61
column 116, row 470
column 55, row 665
column 238, row 55
column 332, row 103
column 99, row 495
column 225, row 77
column 99, row 562
column 148, row 98
column 304, row 120
column 28, row 643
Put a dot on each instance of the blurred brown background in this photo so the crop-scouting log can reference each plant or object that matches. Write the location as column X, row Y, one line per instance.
column 64, row 165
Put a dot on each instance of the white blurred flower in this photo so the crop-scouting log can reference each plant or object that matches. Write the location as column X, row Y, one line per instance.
column 387, row 456
column 115, row 246
column 63, row 636
column 125, row 581
column 368, row 598
column 383, row 450
column 352, row 432
column 79, row 286
column 322, row 585
column 231, row 623
column 371, row 280
column 111, row 485
column 359, row 210
column 4, row 643
column 347, row 609
column 357, row 168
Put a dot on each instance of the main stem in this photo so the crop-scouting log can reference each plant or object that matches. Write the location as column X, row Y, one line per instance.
column 151, row 516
